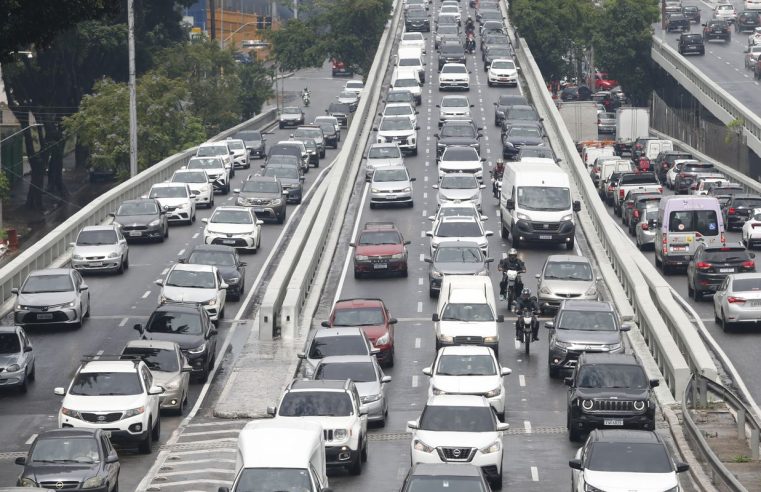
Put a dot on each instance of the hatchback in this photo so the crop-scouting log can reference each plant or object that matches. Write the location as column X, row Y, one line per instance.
column 16, row 357
column 100, row 249
column 711, row 264
column 565, row 277
column 391, row 185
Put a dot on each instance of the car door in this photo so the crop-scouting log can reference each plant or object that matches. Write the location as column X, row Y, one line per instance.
column 698, row 256
column 27, row 354
column 153, row 400
column 112, row 469
column 720, row 294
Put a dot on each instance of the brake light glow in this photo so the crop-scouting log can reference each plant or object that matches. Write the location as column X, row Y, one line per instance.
column 731, row 211
column 702, row 265
column 620, row 193
column 735, row 300
column 636, row 214
column 749, row 264
column 660, row 189
column 665, row 239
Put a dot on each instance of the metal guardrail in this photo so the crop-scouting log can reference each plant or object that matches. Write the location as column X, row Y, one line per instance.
column 287, row 290
column 721, row 103
column 56, row 243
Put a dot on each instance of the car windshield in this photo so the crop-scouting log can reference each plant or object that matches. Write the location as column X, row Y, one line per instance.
column 586, row 321
column 731, row 255
column 368, row 316
column 466, row 365
column 612, row 376
column 457, row 419
column 521, row 114
column 327, row 127
column 315, row 404
column 570, row 270
column 214, row 258
column 231, row 217
column 307, row 133
column 190, row 178
column 269, row 479
column 9, row 343
column 390, row 152
column 455, row 102
column 391, row 124
column 458, row 183
column 460, row 154
column 454, row 69
column 544, row 198
column 416, row 14
column 48, row 283
column 701, row 221
column 256, row 186
column 212, row 150
column 141, row 208
column 291, row 110
column 455, row 311
column 498, row 50
column 458, row 254
column 406, row 62
column 191, row 279
column 693, row 38
column 156, row 359
column 458, row 229
column 168, row 192
column 448, row 29
column 65, row 450
column 458, row 212
column 176, row 323
column 628, row 457
column 373, row 238
column 399, row 96
column 96, row 238
column 437, row 483
column 250, row 135
column 398, row 110
column 326, row 346
column 504, row 65
column 452, row 49
column 748, row 202
column 536, row 152
column 384, row 175
column 290, row 172
column 106, row 384
column 458, row 131
column 524, row 131
column 359, row 372
column 347, row 95
column 235, row 145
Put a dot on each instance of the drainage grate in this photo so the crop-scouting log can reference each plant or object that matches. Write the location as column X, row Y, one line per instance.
column 11, row 456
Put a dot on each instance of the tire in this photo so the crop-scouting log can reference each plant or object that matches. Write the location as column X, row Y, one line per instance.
column 405, row 273
column 570, row 244
column 690, row 290
column 658, row 263
column 33, row 373
column 226, row 190
column 357, row 274
column 716, row 318
column 372, row 206
column 126, row 262
column 526, row 343
column 414, row 151
column 356, row 467
column 193, row 218
column 363, row 454
column 146, row 445
column 183, row 405
column 156, row 431
column 573, row 434
column 23, row 388
column 554, row 372
column 496, row 484
column 724, row 325
column 87, row 313
column 120, row 270
column 504, row 232
column 166, row 232
column 431, row 293
column 281, row 217
column 698, row 295
column 516, row 241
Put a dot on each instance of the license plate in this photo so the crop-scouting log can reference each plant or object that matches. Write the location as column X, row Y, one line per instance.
column 135, row 233
column 679, row 248
column 380, row 266
column 390, row 197
column 44, row 316
column 258, row 209
column 96, row 263
column 755, row 303
column 545, row 237
column 228, row 241
column 726, row 270
column 613, row 422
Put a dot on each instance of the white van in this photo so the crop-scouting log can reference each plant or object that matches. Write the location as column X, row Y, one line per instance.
column 535, row 204
column 466, row 313
column 278, row 455
column 609, row 166
column 655, row 147
column 408, row 79
column 411, row 58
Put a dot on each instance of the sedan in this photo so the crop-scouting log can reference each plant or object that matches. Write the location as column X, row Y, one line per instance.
column 461, row 159
column 738, row 300
column 454, row 76
column 391, row 185
column 711, row 264
column 454, row 108
column 100, row 248
column 455, row 258
column 143, row 218
column 291, row 116
column 458, row 187
column 349, row 98
column 456, row 229
column 564, row 277
column 234, row 226
column 400, row 109
column 52, row 296
column 372, row 316
column 502, row 72
column 16, row 357
column 255, row 143
column 519, row 136
column 169, row 368
column 200, row 284
column 239, row 153
column 228, row 263
column 751, row 231
column 199, row 184
column 457, row 209
column 425, row 476
column 176, row 200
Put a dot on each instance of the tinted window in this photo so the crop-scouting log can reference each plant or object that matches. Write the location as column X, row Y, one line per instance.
column 571, row 270
column 458, row 229
column 232, row 144
column 214, row 258
column 95, row 238
column 701, row 221
column 359, row 372
column 281, row 172
column 454, row 69
column 141, row 208
column 381, row 175
column 458, row 183
column 713, row 256
column 261, row 187
column 338, row 345
column 47, row 283
column 106, row 383
column 643, row 178
column 383, row 152
column 395, row 124
column 313, row 404
column 359, row 317
column 458, row 255
column 524, row 131
column 628, row 457
column 747, row 202
column 586, row 321
column 66, row 450
column 460, row 154
column 457, row 419
column 544, row 198
column 212, row 150
column 466, row 365
column 612, row 376
column 156, row 359
column 269, row 479
column 746, row 285
column 458, row 131
column 9, row 343
column 231, row 217
column 190, row 178
column 467, row 312
column 179, row 323
column 168, row 192
column 249, row 135
column 379, row 237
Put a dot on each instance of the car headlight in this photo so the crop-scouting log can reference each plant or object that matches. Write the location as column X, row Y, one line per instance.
column 562, row 345
column 133, row 412
column 613, row 346
column 446, row 338
column 521, row 216
column 375, row 190
column 566, row 218
column 421, row 446
column 340, row 434
column 154, row 223
column 276, row 202
column 407, row 189
column 172, row 385
column 495, row 392
column 360, row 257
column 587, row 404
column 197, row 350
column 71, row 413
column 592, row 291
column 545, row 290
column 27, row 482
column 163, row 299
column 383, row 339
column 491, row 339
column 436, row 274
column 117, row 224
column 233, row 280
column 492, row 448
column 113, row 254
column 397, row 256
column 370, row 398
column 210, row 302
column 13, row 368
column 476, row 196
column 639, row 405
column 94, row 482
column 76, row 257
column 183, row 206
column 241, row 201
column 437, row 391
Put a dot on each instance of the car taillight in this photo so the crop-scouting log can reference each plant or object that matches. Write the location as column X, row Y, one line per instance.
column 611, row 187
column 722, row 238
column 660, row 189
column 665, row 239
column 749, row 264
column 694, row 187
column 731, row 211
column 735, row 300
column 621, row 194
column 702, row 265
column 645, row 227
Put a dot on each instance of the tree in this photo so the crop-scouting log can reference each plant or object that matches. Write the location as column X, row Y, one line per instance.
column 294, row 46
column 255, row 88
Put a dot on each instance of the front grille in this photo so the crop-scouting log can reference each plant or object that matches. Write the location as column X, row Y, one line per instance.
column 465, row 340
column 237, row 242
column 328, row 434
column 134, row 228
column 545, row 226
column 90, row 258
column 456, row 454
column 64, row 484
column 170, row 208
column 101, row 417
column 613, row 406
column 568, row 296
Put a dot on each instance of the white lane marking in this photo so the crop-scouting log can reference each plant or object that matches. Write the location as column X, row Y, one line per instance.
column 534, row 474
column 422, row 233
column 98, row 354
column 425, row 213
column 422, row 257
column 164, row 271
column 147, row 293
column 576, row 247
column 182, row 252
column 425, row 195
column 527, row 426
column 517, row 344
column 414, row 381
column 230, row 199
column 417, row 342
column 353, row 236
column 31, row 439
column 123, row 322
column 521, row 379
column 425, row 178
column 420, row 306
column 195, row 236
column 420, row 281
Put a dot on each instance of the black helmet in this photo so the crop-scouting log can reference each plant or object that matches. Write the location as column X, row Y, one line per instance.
column 526, row 292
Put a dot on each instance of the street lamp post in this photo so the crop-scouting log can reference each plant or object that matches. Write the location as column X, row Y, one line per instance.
column 235, row 32
column 1, row 160
column 132, row 90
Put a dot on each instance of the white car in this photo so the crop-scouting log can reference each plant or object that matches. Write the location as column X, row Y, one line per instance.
column 240, row 153
column 675, row 170
column 460, row 229
column 399, row 130
column 469, row 370
column 461, row 159
column 215, row 169
column 198, row 181
column 454, row 108
column 705, row 184
column 457, row 209
column 391, row 185
column 100, row 248
column 199, row 284
column 401, row 109
column 381, row 155
column 118, row 396
column 177, row 199
column 234, row 226
column 751, row 231
column 725, row 11
column 414, row 39
column 221, row 150
column 355, row 86
column 755, row 38
column 452, row 10
column 454, row 76
column 408, row 80
column 752, row 4
column 751, row 56
column 459, row 429
column 459, row 187
column 502, row 72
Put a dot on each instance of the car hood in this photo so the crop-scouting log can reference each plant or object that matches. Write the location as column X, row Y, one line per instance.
column 521, row 140
column 100, row 403
column 586, row 337
column 46, row 298
column 223, row 228
column 456, row 439
column 630, row 482
column 392, row 161
column 254, row 144
column 454, row 76
column 259, row 196
column 379, row 249
column 391, row 185
column 374, row 332
column 60, row 472
column 567, row 286
column 466, row 384
column 215, row 172
column 464, row 328
column 459, row 194
column 368, row 388
column 290, row 116
column 184, row 341
column 95, row 250
column 185, row 294
column 128, row 220
column 480, row 240
column 396, row 133
column 503, row 71
column 450, row 165
column 173, row 202
column 326, row 422
column 457, row 140
column 448, row 268
column 162, row 378
column 347, row 100
column 8, row 359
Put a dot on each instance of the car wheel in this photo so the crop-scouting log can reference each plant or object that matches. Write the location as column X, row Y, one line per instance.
column 363, row 454
column 356, row 467
column 156, row 432
column 146, row 445
column 372, row 205
column 126, row 262
column 504, row 232
column 516, row 241
column 724, row 325
column 554, row 372
column 570, row 244
column 281, row 217
column 496, row 484
column 716, row 318
column 356, row 274
column 33, row 373
column 24, row 386
column 690, row 290
column 120, row 269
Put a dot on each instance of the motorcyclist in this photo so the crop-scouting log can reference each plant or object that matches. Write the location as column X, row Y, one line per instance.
column 305, row 95
column 469, row 26
column 470, row 43
column 510, row 262
column 526, row 301
column 497, row 172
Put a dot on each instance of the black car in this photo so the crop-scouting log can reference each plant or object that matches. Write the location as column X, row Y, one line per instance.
column 451, row 53
column 677, row 23
column 341, row 112
column 609, row 390
column 417, row 20
column 504, row 102
column 748, row 20
column 711, row 264
column 665, row 160
column 227, row 261
column 287, row 150
column 71, row 459
column 400, row 95
column 458, row 132
column 143, row 218
column 442, row 476
column 255, row 143
column 691, row 43
column 576, row 93
column 540, row 151
column 519, row 114
column 716, row 29
column 493, row 39
column 290, row 178
column 330, row 132
column 518, row 136
column 739, row 209
column 191, row 328
column 688, row 175
column 692, row 12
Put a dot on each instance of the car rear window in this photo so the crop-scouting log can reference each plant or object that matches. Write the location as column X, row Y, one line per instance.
column 747, row 202
column 698, row 167
column 643, row 178
column 726, row 256
column 693, row 38
column 701, row 221
column 337, row 345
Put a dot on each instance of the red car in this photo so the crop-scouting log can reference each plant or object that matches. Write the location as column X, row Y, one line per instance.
column 339, row 68
column 380, row 248
column 603, row 83
column 372, row 316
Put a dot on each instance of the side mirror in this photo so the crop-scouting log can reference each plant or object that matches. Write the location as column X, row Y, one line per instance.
column 285, row 192
column 325, row 324
column 435, row 317
column 112, row 215
column 112, row 458
column 186, row 368
column 393, row 321
column 489, row 260
column 413, row 179
column 538, row 276
column 59, row 391
column 568, row 381
column 156, row 390
column 243, row 263
column 407, row 243
column 549, row 324
column 500, row 318
column 159, row 282
column 21, row 460
column 363, row 410
column 505, row 371
column 654, row 383
column 577, row 206
column 429, row 233
column 488, row 233
column 72, row 244
column 271, row 411
column 138, row 328
column 575, row 464
column 83, row 287
column 412, row 425
column 28, row 348
column 205, row 220
column 625, row 327
column 352, row 245
column 374, row 351
column 386, row 379
column 14, row 290
column 502, row 426
column 236, row 191
column 428, row 371
column 436, row 135
column 435, row 187
column 682, row 467
column 417, row 128
column 428, row 260
column 482, row 186
column 510, row 204
column 301, row 355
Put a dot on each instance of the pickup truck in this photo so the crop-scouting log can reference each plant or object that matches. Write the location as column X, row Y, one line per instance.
column 634, row 181
column 688, row 175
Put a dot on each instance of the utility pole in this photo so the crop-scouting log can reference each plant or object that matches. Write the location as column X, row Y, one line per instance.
column 132, row 90
column 295, row 9
column 213, row 19
column 222, row 24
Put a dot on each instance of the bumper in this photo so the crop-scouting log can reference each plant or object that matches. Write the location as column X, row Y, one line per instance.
column 676, row 260
column 240, row 242
column 12, row 379
column 454, row 85
column 132, row 429
column 450, row 341
column 565, row 360
column 64, row 316
column 178, row 215
column 259, row 153
column 293, row 123
column 204, row 198
column 268, row 212
column 403, row 197
column 197, row 362
column 415, row 27
column 241, row 162
column 503, row 80
column 491, row 461
column 104, row 265
column 294, row 195
column 736, row 221
column 645, row 238
column 340, row 455
column 171, row 400
column 145, row 233
column 586, row 422
column 380, row 266
column 563, row 234
column 384, row 356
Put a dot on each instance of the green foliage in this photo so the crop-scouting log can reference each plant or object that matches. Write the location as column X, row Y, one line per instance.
column 255, row 88
column 294, row 46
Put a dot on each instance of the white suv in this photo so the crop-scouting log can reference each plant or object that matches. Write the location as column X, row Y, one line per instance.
column 459, row 429
column 336, row 406
column 221, row 150
column 118, row 396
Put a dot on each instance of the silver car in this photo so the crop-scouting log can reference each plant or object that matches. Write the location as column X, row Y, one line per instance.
column 100, row 248
column 459, row 187
column 52, row 296
column 455, row 258
column 454, row 108
column 391, row 185
column 738, row 300
column 382, row 155
column 169, row 368
column 16, row 357
column 367, row 375
column 565, row 277
column 644, row 231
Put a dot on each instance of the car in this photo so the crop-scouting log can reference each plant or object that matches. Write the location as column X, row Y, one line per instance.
column 455, row 258
column 717, row 29
column 143, row 218
column 753, row 5
column 291, row 147
column 234, row 226
column 458, row 132
column 517, row 136
column 582, row 326
column 469, row 370
column 337, row 407
column 457, row 209
column 331, row 129
column 239, row 154
column 350, row 98
column 494, row 52
column 215, row 169
column 176, row 200
column 400, row 95
column 520, row 115
column 461, row 159
column 712, row 263
column 691, row 43
column 538, row 151
column 265, row 196
column 355, row 86
column 692, row 12
column 459, row 187
column 751, row 230
column 400, row 109
column 169, row 368
column 678, row 23
column 606, row 123
column 218, row 149
column 100, row 248
column 255, row 143
column 313, row 150
column 629, row 205
column 502, row 72
column 291, row 116
column 200, row 284
column 725, row 11
column 188, row 325
column 644, row 230
column 430, row 476
column 454, row 76
column 504, row 102
column 489, row 15
column 290, row 177
column 53, row 296
column 367, row 376
column 752, row 54
column 114, row 395
column 739, row 209
column 372, row 316
column 446, row 32
column 391, row 185
column 379, row 248
column 198, row 181
column 228, row 263
column 611, row 457
column 415, row 39
column 738, row 300
column 73, row 458
column 381, row 156
column 417, row 20
column 459, row 428
column 314, row 132
column 398, row 129
column 456, row 229
column 642, row 203
column 565, row 277
column 451, row 53
column 340, row 112
column 748, row 20
column 17, row 358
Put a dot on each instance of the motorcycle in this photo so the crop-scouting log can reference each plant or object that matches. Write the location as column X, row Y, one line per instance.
column 496, row 183
column 305, row 98
column 470, row 44
column 524, row 325
column 513, row 278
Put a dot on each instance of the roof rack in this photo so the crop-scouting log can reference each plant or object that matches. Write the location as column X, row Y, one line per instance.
column 111, row 358
column 380, row 225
